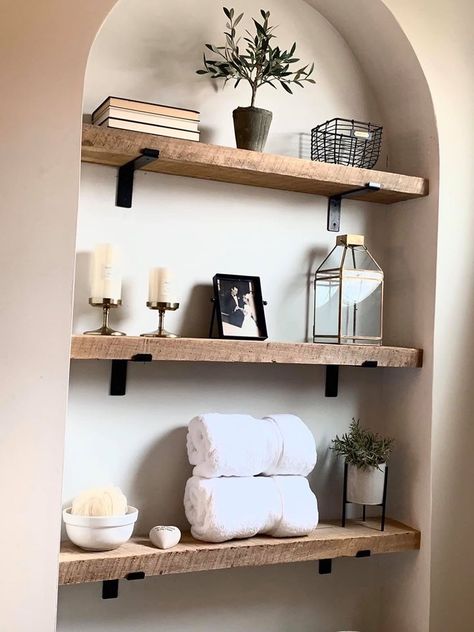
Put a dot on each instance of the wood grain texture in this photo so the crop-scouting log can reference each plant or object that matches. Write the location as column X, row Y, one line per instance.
column 231, row 351
column 113, row 147
column 326, row 542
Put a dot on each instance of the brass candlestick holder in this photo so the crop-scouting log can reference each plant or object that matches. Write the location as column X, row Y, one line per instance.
column 106, row 304
column 162, row 309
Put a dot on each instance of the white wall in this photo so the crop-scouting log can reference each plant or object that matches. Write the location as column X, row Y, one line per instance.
column 200, row 228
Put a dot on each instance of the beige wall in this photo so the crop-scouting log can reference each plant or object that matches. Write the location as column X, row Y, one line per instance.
column 43, row 53
column 442, row 36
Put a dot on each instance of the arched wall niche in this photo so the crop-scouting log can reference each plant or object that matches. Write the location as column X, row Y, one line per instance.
column 400, row 89
column 47, row 41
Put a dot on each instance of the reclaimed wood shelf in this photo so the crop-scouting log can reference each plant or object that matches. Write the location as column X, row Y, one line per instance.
column 114, row 147
column 233, row 351
column 328, row 541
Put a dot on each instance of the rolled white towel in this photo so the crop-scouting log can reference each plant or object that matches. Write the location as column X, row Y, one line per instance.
column 241, row 445
column 299, row 514
column 298, row 449
column 220, row 509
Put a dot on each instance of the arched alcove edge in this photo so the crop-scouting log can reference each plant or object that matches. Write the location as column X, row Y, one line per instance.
column 400, row 87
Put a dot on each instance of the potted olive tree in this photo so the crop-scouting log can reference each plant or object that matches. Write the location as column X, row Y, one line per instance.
column 254, row 58
column 366, row 454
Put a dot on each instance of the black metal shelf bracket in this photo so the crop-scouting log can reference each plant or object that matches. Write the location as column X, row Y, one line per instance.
column 332, row 380
column 332, row 377
column 118, row 376
column 126, row 174
column 325, row 567
column 334, row 204
column 110, row 587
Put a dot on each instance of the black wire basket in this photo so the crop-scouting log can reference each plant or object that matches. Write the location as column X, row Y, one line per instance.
column 346, row 142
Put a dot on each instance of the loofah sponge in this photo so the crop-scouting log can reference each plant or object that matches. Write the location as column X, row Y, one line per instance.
column 100, row 501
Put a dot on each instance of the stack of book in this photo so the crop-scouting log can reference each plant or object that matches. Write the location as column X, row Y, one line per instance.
column 150, row 118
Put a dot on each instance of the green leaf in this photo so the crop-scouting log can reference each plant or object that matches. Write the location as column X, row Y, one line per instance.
column 227, row 12
column 286, row 87
column 237, row 19
column 263, row 14
column 292, row 50
column 259, row 27
column 201, row 72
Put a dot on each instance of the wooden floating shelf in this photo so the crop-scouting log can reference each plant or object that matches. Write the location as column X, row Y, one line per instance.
column 326, row 542
column 233, row 351
column 114, row 147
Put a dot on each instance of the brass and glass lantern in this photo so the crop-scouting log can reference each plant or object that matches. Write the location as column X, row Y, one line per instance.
column 348, row 295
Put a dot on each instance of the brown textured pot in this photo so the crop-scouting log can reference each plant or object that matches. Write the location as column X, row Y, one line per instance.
column 251, row 127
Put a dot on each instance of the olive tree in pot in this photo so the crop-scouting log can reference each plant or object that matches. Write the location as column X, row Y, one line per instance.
column 366, row 454
column 259, row 63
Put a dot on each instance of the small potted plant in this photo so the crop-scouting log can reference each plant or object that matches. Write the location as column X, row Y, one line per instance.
column 366, row 454
column 260, row 62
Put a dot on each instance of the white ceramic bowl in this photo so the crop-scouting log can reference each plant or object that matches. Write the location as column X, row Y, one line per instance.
column 99, row 533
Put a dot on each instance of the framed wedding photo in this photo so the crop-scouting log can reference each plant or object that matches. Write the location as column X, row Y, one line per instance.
column 239, row 307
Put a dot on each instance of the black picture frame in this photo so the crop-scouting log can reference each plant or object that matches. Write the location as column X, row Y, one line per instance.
column 248, row 315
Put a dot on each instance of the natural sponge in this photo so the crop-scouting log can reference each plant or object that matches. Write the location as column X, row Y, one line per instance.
column 100, row 501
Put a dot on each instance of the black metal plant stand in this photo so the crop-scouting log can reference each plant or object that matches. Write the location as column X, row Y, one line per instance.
column 382, row 504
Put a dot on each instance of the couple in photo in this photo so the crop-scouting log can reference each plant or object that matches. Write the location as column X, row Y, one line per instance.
column 241, row 313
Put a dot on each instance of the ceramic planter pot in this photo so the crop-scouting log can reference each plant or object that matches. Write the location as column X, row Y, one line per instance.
column 251, row 127
column 365, row 487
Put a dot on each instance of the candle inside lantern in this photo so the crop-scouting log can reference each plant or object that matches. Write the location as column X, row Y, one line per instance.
column 106, row 280
column 160, row 290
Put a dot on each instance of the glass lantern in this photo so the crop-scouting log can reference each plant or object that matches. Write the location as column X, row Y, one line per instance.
column 348, row 295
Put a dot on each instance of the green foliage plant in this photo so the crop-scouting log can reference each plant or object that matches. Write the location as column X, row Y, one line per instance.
column 254, row 57
column 362, row 448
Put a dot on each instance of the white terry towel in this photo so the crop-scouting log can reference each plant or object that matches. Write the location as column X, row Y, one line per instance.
column 220, row 509
column 241, row 445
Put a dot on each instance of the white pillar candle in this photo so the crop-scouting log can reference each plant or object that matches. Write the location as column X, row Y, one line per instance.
column 160, row 290
column 106, row 280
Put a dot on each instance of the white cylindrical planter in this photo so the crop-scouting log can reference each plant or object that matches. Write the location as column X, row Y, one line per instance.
column 365, row 487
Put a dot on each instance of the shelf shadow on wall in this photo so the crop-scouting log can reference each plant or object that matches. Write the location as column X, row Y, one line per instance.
column 157, row 487
column 197, row 312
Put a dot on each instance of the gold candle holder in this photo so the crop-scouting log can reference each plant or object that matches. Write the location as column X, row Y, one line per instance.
column 162, row 309
column 106, row 304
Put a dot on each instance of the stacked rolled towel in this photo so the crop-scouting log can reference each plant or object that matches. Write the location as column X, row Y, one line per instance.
column 220, row 509
column 249, row 477
column 241, row 445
